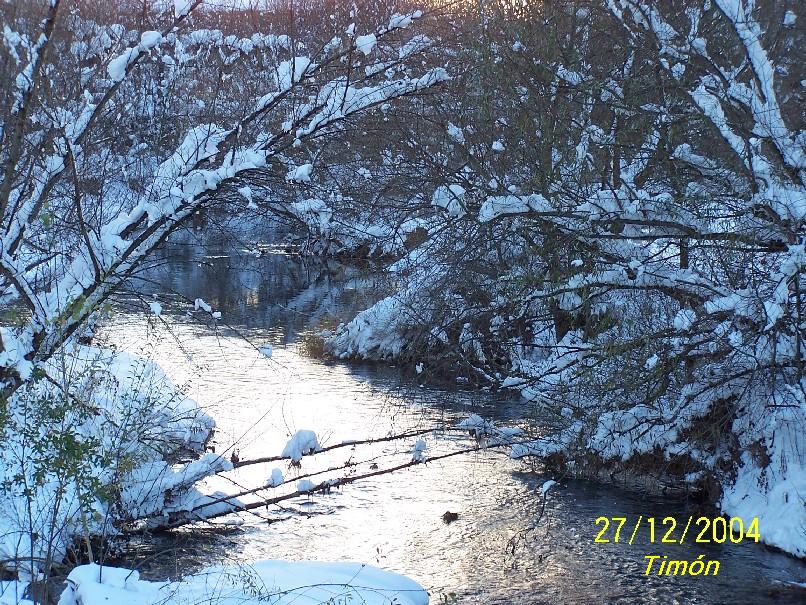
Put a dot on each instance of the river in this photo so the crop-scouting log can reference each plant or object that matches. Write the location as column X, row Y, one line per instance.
column 393, row 521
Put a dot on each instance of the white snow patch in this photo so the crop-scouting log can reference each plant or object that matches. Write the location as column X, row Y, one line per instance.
column 276, row 478
column 149, row 40
column 182, row 7
column 280, row 582
column 451, row 199
column 117, row 66
column 366, row 44
column 789, row 18
column 302, row 443
column 418, row 451
column 199, row 304
column 300, row 174
column 684, row 320
column 305, row 485
column 456, row 133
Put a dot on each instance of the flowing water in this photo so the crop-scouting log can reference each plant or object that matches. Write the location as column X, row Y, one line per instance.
column 489, row 555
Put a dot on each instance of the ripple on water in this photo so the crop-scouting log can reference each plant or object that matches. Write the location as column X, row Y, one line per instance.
column 396, row 521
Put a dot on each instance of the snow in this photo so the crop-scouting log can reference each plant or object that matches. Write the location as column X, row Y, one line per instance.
column 372, row 334
column 418, row 451
column 497, row 146
column 155, row 308
column 544, row 489
column 246, row 193
column 137, row 412
column 300, row 174
column 476, row 425
column 773, row 490
column 117, row 66
column 291, row 71
column 266, row 350
column 182, row 7
column 684, row 320
column 200, row 304
column 305, row 485
column 11, row 593
column 789, row 18
column 398, row 21
column 479, row 428
column 456, row 133
column 278, row 582
column 366, row 44
column 302, row 443
column 496, row 206
column 150, row 39
column 451, row 199
column 276, row 479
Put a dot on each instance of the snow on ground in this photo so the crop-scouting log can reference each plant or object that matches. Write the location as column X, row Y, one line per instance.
column 373, row 333
column 772, row 488
column 276, row 582
column 12, row 593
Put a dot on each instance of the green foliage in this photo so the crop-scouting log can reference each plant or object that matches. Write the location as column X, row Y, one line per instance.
column 58, row 450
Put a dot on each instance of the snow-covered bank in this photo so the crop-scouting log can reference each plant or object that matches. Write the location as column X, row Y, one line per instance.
column 739, row 443
column 755, row 470
column 89, row 446
column 277, row 582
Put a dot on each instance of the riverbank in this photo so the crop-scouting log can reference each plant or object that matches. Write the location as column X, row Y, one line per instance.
column 280, row 582
column 395, row 521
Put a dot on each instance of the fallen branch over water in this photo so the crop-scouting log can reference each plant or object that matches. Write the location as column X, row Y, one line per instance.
column 349, row 443
column 195, row 514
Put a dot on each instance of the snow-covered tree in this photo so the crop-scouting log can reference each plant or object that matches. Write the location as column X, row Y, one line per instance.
column 118, row 125
column 98, row 169
column 622, row 238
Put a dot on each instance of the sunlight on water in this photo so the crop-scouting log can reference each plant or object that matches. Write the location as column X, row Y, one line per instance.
column 394, row 521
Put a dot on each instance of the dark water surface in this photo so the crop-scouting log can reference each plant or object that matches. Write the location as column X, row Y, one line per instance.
column 393, row 521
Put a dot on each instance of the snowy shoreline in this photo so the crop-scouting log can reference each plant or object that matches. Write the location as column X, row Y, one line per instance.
column 384, row 332
column 282, row 582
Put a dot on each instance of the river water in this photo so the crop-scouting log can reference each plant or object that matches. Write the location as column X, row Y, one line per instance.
column 489, row 555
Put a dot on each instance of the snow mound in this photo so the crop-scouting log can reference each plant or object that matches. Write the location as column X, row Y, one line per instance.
column 277, row 582
column 305, row 485
column 276, row 478
column 303, row 443
column 374, row 333
column 478, row 427
column 418, row 451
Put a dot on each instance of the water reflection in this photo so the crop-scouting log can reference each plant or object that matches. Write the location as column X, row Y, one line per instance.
column 393, row 521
